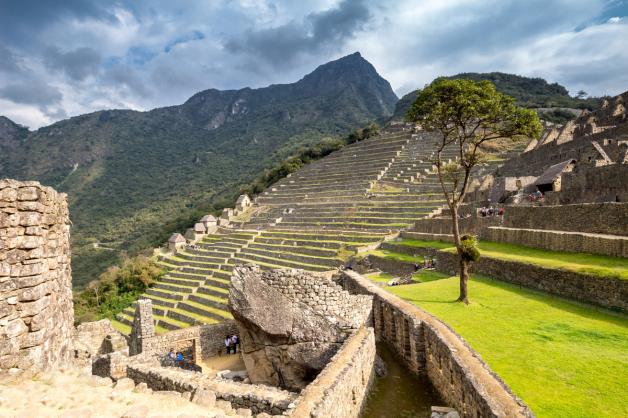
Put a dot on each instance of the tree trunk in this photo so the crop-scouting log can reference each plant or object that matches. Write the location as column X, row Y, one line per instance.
column 464, row 265
column 464, row 278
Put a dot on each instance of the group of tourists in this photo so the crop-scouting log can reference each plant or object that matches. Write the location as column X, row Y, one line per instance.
column 232, row 342
column 491, row 211
column 177, row 359
column 536, row 196
column 192, row 247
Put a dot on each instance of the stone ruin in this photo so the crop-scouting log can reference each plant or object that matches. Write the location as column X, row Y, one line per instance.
column 36, row 310
column 291, row 322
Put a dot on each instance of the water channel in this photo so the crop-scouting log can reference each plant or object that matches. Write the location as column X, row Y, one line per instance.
column 399, row 394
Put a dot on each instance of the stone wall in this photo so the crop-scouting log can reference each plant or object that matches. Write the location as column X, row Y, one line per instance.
column 603, row 291
column 599, row 218
column 576, row 242
column 319, row 292
column 207, row 340
column 257, row 398
column 340, row 390
column 430, row 347
column 595, row 184
column 472, row 225
column 36, row 311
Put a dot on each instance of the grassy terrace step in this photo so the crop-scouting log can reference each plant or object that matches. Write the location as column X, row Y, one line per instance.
column 595, row 265
column 272, row 263
column 376, row 227
column 180, row 282
column 284, row 254
column 295, row 249
column 198, row 307
column 212, row 290
column 123, row 328
column 563, row 359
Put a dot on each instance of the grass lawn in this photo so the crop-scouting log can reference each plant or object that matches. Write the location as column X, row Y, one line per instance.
column 596, row 265
column 563, row 359
column 421, row 276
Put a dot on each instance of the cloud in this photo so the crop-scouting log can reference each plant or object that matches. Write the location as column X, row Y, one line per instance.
column 281, row 45
column 69, row 57
column 34, row 92
column 77, row 64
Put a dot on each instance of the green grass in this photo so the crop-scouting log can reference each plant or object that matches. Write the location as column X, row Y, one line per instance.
column 563, row 359
column 422, row 244
column 595, row 265
column 393, row 256
column 421, row 276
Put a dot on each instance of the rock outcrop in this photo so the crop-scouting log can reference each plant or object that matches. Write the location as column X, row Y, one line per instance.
column 287, row 338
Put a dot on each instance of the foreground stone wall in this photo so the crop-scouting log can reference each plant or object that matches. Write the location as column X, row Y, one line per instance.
column 341, row 389
column 36, row 311
column 607, row 292
column 599, row 218
column 430, row 347
column 257, row 398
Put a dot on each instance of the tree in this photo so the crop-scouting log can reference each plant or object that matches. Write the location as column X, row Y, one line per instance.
column 581, row 94
column 467, row 114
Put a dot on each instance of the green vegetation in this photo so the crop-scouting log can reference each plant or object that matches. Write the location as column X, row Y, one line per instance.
column 133, row 178
column 561, row 358
column 595, row 265
column 528, row 92
column 560, row 116
column 116, row 289
column 467, row 114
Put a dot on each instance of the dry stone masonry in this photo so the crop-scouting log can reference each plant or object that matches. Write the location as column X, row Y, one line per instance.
column 290, row 332
column 36, row 311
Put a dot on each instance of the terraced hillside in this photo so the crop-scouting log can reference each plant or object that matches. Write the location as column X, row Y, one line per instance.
column 314, row 219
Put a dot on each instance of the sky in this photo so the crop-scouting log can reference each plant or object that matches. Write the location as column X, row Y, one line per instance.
column 63, row 58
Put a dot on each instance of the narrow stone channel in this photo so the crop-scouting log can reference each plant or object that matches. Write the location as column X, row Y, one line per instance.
column 400, row 394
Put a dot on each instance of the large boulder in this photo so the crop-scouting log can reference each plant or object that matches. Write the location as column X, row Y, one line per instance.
column 285, row 342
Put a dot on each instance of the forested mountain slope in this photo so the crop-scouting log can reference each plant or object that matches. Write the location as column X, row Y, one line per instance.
column 134, row 177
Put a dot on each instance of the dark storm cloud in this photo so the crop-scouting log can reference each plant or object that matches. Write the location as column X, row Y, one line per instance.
column 21, row 20
column 77, row 64
column 9, row 62
column 282, row 44
column 33, row 92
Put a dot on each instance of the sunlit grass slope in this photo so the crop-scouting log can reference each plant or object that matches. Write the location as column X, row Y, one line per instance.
column 563, row 359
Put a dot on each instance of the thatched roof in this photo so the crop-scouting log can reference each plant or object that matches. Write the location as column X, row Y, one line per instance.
column 176, row 238
column 208, row 218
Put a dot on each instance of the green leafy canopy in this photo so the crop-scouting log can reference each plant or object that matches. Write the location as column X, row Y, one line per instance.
column 471, row 111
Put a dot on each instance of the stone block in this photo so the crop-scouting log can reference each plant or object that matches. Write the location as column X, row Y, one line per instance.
column 34, row 293
column 27, row 193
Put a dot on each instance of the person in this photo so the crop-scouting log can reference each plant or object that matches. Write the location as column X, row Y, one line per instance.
column 172, row 355
column 179, row 359
column 501, row 211
column 228, row 344
column 236, row 342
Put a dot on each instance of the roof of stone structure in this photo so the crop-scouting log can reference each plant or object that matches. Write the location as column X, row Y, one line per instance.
column 208, row 218
column 552, row 172
column 176, row 237
column 242, row 198
column 199, row 227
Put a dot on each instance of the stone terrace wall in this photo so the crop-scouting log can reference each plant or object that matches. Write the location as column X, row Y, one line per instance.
column 599, row 218
column 319, row 292
column 428, row 346
column 340, row 390
column 36, row 311
column 208, row 339
column 595, row 184
column 603, row 291
column 472, row 225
